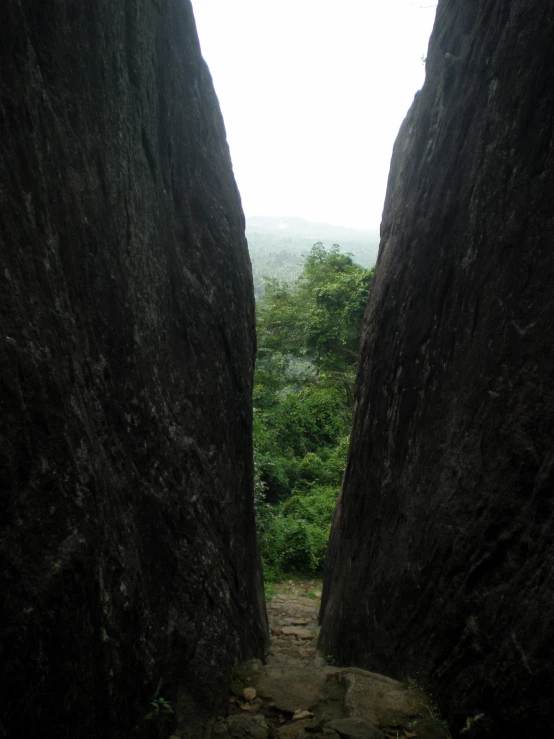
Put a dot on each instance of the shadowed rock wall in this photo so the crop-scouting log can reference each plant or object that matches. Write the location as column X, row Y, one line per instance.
column 129, row 563
column 441, row 564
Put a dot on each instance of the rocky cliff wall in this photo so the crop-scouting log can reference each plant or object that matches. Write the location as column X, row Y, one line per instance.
column 441, row 564
column 130, row 567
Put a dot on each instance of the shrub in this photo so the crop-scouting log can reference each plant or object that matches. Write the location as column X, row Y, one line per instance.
column 272, row 472
column 312, row 469
column 286, row 545
column 295, row 539
column 316, row 507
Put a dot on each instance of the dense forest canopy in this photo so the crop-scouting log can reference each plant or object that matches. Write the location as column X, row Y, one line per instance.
column 278, row 245
column 308, row 335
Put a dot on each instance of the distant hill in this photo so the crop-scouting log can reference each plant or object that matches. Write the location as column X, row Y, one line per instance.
column 277, row 245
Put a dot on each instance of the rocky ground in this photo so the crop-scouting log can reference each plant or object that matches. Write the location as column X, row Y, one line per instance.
column 300, row 693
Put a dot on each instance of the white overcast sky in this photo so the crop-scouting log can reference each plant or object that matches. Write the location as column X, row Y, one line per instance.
column 313, row 93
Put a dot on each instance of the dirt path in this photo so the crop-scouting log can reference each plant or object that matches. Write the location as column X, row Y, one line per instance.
column 300, row 694
column 293, row 615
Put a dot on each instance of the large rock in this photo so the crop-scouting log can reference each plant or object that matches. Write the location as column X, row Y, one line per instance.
column 441, row 565
column 380, row 701
column 355, row 728
column 292, row 686
column 247, row 727
column 129, row 561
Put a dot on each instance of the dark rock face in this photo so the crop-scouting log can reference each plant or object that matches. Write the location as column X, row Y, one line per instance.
column 441, row 565
column 130, row 566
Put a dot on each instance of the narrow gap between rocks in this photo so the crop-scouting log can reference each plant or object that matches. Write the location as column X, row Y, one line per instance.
column 300, row 692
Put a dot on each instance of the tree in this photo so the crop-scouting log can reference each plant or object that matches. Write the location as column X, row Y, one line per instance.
column 319, row 317
column 308, row 334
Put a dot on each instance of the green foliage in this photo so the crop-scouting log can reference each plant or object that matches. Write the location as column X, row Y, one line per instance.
column 287, row 545
column 309, row 420
column 161, row 710
column 277, row 245
column 315, row 508
column 470, row 721
column 438, row 719
column 308, row 337
column 336, row 290
column 273, row 472
column 320, row 315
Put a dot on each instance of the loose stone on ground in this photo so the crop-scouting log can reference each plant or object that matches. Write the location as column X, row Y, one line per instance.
column 298, row 695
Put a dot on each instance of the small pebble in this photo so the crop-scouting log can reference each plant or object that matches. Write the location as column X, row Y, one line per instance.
column 249, row 694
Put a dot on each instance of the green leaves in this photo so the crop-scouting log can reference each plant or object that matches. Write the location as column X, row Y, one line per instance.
column 308, row 335
column 320, row 315
column 161, row 710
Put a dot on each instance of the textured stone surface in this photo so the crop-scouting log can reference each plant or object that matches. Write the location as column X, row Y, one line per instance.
column 355, row 728
column 300, row 729
column 441, row 561
column 380, row 701
column 129, row 565
column 292, row 686
column 302, row 696
column 247, row 727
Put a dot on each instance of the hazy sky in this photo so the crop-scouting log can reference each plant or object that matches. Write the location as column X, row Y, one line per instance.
column 313, row 93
